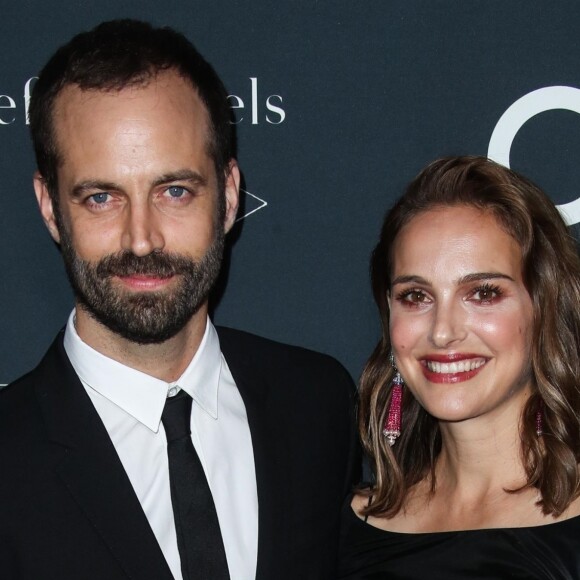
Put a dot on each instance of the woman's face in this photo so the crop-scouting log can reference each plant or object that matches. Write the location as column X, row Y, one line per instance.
column 461, row 318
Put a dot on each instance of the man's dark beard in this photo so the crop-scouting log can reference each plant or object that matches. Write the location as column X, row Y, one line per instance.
column 142, row 317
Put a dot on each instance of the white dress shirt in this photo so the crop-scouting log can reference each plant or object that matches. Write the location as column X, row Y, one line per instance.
column 130, row 404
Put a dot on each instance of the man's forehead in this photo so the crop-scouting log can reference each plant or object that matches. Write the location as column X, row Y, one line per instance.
column 162, row 122
column 166, row 95
column 161, row 81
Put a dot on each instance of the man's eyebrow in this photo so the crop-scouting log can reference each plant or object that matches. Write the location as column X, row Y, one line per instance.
column 181, row 175
column 93, row 184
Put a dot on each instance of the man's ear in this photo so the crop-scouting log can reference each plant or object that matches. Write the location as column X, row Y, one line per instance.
column 45, row 204
column 232, row 193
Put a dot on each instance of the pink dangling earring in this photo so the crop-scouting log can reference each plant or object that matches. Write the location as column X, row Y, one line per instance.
column 392, row 426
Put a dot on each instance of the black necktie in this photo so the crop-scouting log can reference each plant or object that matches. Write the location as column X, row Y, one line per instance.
column 199, row 539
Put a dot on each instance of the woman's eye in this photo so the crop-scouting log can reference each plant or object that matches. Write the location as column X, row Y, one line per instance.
column 413, row 297
column 486, row 294
column 176, row 191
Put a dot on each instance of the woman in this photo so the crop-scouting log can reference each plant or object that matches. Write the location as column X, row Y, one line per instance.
column 469, row 405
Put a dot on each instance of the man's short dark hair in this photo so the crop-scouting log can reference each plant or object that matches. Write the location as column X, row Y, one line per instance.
column 119, row 54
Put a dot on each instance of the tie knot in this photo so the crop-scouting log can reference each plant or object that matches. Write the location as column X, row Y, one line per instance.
column 176, row 416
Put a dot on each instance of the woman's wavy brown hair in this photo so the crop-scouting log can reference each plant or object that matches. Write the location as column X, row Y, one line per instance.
column 551, row 274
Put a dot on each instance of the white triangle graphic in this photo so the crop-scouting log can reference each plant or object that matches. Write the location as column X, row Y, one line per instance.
column 263, row 204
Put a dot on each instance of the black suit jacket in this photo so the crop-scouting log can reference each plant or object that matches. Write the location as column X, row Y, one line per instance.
column 68, row 510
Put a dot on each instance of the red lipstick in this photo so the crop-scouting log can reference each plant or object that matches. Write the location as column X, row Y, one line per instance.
column 452, row 367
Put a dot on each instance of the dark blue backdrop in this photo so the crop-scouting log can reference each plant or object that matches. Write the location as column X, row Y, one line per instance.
column 342, row 104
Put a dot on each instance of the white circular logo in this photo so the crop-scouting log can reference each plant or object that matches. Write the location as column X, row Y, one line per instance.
column 530, row 105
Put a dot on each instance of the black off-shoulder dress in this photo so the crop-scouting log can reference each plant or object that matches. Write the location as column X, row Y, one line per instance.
column 549, row 552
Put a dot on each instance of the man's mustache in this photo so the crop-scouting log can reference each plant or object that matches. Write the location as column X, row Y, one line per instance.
column 158, row 264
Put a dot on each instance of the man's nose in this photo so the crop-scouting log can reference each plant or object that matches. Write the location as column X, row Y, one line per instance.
column 142, row 234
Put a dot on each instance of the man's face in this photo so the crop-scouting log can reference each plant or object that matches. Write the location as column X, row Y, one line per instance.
column 139, row 222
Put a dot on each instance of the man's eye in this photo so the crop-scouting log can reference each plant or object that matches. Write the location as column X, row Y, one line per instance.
column 99, row 198
column 176, row 191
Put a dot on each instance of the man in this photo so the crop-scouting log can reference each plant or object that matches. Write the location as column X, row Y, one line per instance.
column 138, row 185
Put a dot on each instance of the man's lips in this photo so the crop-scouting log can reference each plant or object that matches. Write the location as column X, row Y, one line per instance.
column 145, row 282
column 452, row 368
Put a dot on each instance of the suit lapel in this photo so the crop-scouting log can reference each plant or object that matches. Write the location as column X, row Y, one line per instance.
column 90, row 469
column 270, row 479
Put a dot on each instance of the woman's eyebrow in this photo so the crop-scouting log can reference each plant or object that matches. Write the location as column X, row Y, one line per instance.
column 478, row 276
column 410, row 279
column 468, row 278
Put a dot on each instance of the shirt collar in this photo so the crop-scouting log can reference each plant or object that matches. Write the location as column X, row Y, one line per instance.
column 138, row 394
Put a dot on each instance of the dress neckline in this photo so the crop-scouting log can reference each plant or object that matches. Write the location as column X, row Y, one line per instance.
column 367, row 525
